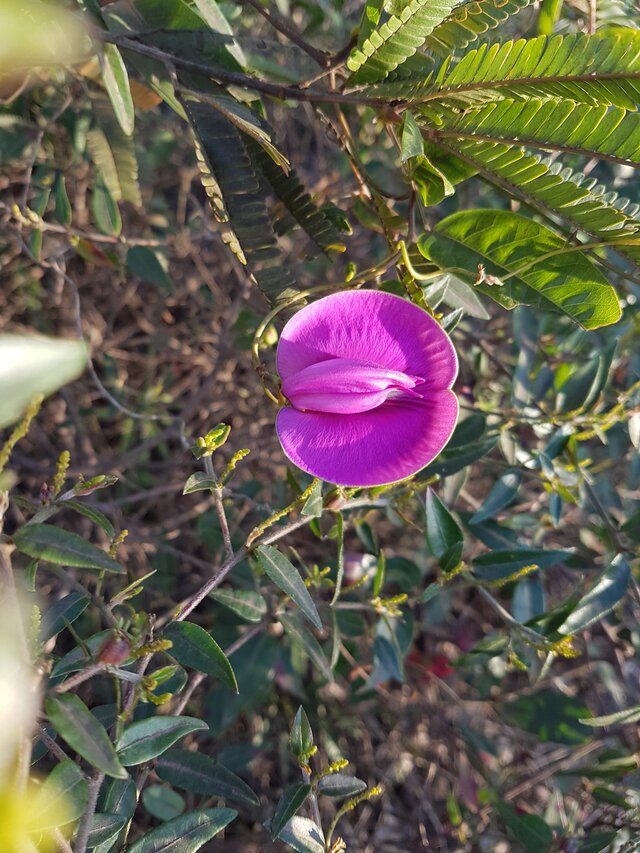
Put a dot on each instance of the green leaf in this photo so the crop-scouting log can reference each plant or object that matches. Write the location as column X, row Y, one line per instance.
column 601, row 598
column 104, row 828
column 339, row 559
column 105, row 209
column 338, row 785
column 75, row 724
column 528, row 829
column 303, row 835
column 246, row 603
column 146, row 739
column 199, row 482
column 313, row 505
column 64, row 610
column 550, row 715
column 213, row 15
column 116, row 81
column 444, row 536
column 501, row 495
column 301, row 735
column 548, row 15
column 411, row 144
column 582, row 389
column 62, row 210
column 196, row 648
column 184, row 834
column 454, row 459
column 470, row 20
column 163, row 803
column 500, row 563
column 236, row 196
column 34, row 365
column 93, row 514
column 47, row 542
column 547, row 184
column 199, row 774
column 528, row 599
column 147, row 265
column 396, row 40
column 114, row 155
column 388, row 661
column 618, row 718
column 291, row 800
column 592, row 69
column 548, row 123
column 119, row 798
column 298, row 632
column 598, row 842
column 63, row 794
column 530, row 260
column 286, row 577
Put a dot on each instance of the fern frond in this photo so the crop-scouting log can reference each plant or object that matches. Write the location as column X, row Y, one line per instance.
column 236, row 196
column 578, row 200
column 290, row 191
column 587, row 69
column 469, row 21
column 396, row 40
column 610, row 133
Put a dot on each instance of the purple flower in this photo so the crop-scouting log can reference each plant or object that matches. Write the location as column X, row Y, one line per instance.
column 368, row 378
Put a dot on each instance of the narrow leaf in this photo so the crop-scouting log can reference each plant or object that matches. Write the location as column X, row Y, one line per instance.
column 601, row 598
column 185, row 834
column 285, row 576
column 146, row 739
column 196, row 648
column 64, row 794
column 303, row 835
column 75, row 724
column 200, row 774
column 289, row 803
column 500, row 496
column 34, row 365
column 116, row 81
column 246, row 603
column 298, row 631
column 46, row 542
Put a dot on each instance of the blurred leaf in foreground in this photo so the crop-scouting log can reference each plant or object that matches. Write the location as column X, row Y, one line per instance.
column 31, row 365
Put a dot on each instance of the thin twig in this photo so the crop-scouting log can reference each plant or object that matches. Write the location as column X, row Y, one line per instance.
column 288, row 30
column 216, row 491
column 235, row 78
column 51, row 745
column 82, row 836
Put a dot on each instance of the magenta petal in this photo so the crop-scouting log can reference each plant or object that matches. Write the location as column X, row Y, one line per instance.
column 345, row 386
column 371, row 326
column 372, row 448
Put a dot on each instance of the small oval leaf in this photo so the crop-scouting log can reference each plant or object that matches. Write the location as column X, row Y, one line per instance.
column 185, row 834
column 196, row 648
column 285, row 576
column 75, row 724
column 50, row 543
column 146, row 739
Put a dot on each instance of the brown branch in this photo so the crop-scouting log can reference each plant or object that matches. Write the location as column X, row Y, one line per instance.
column 236, row 78
column 278, row 22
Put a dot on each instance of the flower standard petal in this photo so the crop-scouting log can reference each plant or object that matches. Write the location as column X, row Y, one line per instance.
column 383, row 445
column 368, row 325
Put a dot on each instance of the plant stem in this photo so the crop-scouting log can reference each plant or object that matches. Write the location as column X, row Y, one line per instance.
column 82, row 836
column 235, row 78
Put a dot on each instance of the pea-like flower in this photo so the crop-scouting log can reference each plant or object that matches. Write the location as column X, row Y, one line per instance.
column 367, row 376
